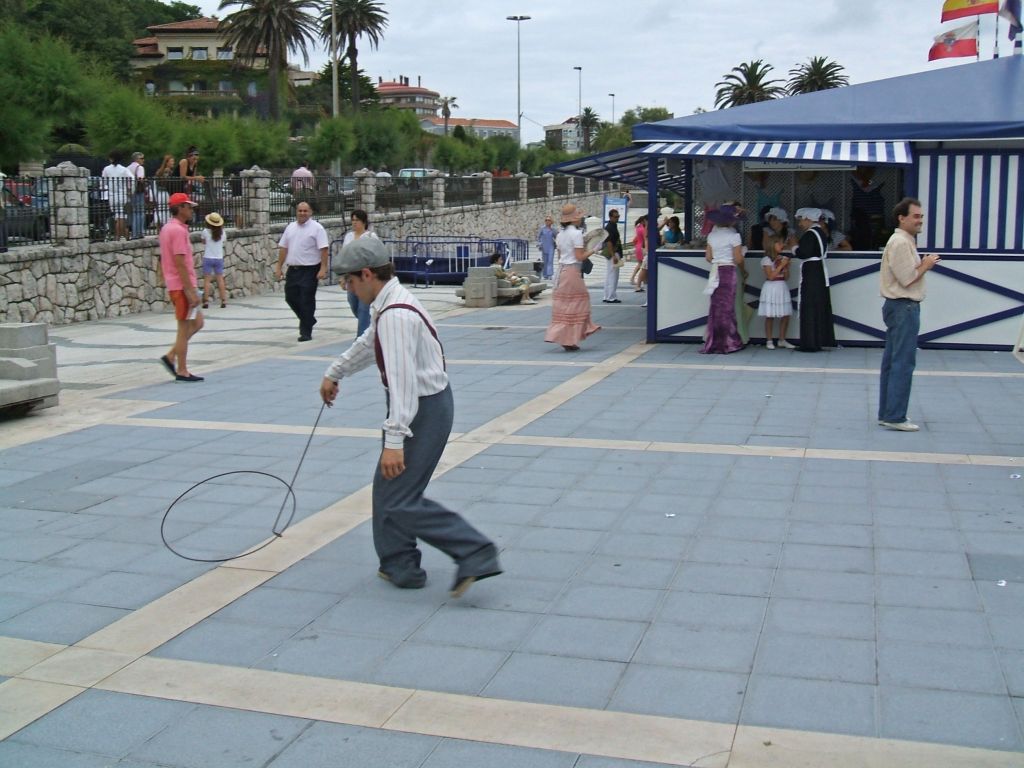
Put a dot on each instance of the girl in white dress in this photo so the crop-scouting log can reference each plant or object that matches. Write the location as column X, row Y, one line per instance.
column 775, row 300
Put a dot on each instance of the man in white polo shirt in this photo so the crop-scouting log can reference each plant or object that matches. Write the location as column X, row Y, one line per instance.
column 303, row 249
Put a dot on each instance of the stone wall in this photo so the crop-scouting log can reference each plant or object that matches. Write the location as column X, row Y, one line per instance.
column 75, row 279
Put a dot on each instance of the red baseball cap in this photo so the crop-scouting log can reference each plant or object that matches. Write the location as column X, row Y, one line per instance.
column 180, row 198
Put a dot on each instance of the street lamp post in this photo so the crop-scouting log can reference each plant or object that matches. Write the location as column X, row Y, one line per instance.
column 613, row 107
column 519, row 108
column 336, row 163
column 579, row 105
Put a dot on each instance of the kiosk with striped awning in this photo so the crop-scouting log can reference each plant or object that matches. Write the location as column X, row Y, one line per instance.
column 952, row 137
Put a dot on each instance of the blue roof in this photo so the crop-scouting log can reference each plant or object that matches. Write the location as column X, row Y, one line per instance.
column 980, row 100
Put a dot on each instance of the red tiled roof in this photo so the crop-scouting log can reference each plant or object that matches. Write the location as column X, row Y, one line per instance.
column 410, row 89
column 205, row 24
column 471, row 123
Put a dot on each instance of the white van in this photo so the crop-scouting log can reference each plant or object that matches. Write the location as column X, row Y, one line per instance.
column 417, row 173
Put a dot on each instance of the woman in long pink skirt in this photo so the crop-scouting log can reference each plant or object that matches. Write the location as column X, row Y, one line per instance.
column 570, row 312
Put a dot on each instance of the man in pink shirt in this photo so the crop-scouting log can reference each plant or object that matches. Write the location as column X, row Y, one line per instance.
column 177, row 266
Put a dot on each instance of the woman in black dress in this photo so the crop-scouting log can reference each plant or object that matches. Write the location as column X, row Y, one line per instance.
column 816, row 326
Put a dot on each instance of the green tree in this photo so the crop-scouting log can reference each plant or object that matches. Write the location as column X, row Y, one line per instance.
column 612, row 137
column 533, row 161
column 816, row 74
column 218, row 139
column 335, row 139
column 354, row 19
column 262, row 142
column 639, row 115
column 448, row 103
column 319, row 93
column 503, row 152
column 274, row 26
column 124, row 119
column 589, row 121
column 385, row 137
column 747, row 84
column 46, row 92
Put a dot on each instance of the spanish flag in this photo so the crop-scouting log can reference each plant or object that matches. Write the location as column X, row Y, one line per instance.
column 959, row 41
column 957, row 9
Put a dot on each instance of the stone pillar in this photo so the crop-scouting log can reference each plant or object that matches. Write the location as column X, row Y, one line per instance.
column 487, row 189
column 257, row 182
column 437, row 202
column 70, row 206
column 522, row 176
column 570, row 188
column 366, row 182
column 549, row 180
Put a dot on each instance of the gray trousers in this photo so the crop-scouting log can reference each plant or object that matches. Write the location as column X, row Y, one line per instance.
column 401, row 514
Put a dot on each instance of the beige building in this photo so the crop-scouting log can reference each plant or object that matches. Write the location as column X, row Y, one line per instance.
column 399, row 94
column 482, row 128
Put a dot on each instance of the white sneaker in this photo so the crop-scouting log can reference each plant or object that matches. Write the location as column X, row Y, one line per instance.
column 900, row 426
column 644, row 304
column 769, row 345
column 783, row 344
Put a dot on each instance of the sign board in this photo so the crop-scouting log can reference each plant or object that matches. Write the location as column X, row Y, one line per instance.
column 772, row 165
column 615, row 204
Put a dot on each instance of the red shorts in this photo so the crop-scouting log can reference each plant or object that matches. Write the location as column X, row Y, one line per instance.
column 180, row 302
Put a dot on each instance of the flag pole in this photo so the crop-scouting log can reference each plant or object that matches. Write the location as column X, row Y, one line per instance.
column 995, row 50
column 977, row 39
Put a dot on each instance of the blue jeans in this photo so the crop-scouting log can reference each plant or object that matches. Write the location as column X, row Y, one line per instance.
column 902, row 319
column 138, row 215
column 361, row 312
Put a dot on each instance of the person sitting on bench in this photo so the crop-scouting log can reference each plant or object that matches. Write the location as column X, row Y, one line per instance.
column 515, row 280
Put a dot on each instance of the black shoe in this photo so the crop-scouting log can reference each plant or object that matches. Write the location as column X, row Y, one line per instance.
column 414, row 581
column 168, row 365
column 614, row 301
column 305, row 337
column 463, row 583
column 191, row 377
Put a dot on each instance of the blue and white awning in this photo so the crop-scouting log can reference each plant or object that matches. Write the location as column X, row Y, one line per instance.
column 868, row 152
column 625, row 165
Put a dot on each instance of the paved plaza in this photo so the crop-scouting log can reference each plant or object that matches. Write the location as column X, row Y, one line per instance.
column 709, row 561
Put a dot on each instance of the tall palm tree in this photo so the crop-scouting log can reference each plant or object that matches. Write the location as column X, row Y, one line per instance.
column 447, row 105
column 354, row 18
column 817, row 74
column 589, row 121
column 274, row 27
column 747, row 84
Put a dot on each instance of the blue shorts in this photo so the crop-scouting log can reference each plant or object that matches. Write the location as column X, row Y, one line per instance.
column 213, row 266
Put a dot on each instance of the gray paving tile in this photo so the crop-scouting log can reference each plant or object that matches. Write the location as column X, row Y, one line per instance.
column 744, row 528
column 700, row 609
column 825, row 658
column 60, row 621
column 760, row 554
column 12, row 604
column 45, row 580
column 33, row 547
column 460, row 754
column 1012, row 663
column 610, row 602
column 627, row 572
column 210, row 736
column 824, row 585
column 278, row 607
column 592, row 761
column 439, row 668
column 724, row 579
column 812, row 705
column 102, row 723
column 915, row 518
column 943, row 565
column 122, row 590
column 943, row 667
column 835, row 534
column 577, row 517
column 560, row 540
column 322, row 576
column 821, row 618
column 556, row 680
column 997, row 598
column 716, row 649
column 948, row 717
column 643, row 545
column 604, row 639
column 913, row 538
column 329, row 654
column 216, row 641
column 929, row 625
column 675, row 692
column 359, row 615
column 31, row 756
column 476, row 628
column 1007, row 630
column 926, row 592
column 827, row 558
column 327, row 745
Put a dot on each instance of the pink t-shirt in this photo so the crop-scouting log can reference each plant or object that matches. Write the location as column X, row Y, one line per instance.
column 174, row 240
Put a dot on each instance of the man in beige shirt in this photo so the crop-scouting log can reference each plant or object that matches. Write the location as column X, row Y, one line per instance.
column 902, row 286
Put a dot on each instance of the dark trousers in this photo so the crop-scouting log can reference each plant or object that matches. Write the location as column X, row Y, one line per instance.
column 300, row 293
column 902, row 319
column 401, row 514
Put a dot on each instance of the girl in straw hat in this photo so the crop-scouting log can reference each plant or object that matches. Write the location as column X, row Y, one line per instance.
column 570, row 312
column 213, row 258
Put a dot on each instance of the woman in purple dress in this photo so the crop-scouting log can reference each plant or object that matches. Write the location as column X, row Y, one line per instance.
column 724, row 252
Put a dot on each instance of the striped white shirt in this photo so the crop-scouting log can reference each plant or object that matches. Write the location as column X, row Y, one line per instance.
column 412, row 359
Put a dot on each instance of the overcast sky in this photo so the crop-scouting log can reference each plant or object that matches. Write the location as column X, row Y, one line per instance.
column 646, row 52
